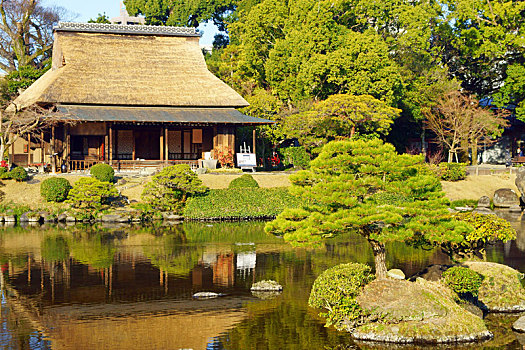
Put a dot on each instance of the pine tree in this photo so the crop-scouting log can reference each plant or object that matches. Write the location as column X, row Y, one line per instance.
column 366, row 187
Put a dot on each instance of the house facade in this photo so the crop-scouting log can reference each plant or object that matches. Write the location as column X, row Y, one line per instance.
column 130, row 96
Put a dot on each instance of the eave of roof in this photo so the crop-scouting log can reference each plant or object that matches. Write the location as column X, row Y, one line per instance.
column 86, row 113
column 125, row 29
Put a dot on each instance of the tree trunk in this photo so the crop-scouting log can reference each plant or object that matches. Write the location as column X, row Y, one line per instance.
column 352, row 132
column 474, row 147
column 379, row 258
column 423, row 146
column 450, row 155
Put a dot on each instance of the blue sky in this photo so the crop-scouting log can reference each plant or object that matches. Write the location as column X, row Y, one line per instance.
column 83, row 10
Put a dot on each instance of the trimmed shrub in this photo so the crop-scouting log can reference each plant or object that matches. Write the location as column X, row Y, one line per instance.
column 102, row 172
column 453, row 171
column 237, row 203
column 18, row 174
column 245, row 181
column 336, row 290
column 169, row 189
column 4, row 174
column 91, row 193
column 464, row 281
column 295, row 156
column 55, row 189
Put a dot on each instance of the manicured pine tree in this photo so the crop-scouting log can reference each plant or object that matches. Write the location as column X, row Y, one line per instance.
column 366, row 187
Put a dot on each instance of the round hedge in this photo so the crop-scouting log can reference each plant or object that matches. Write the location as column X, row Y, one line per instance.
column 464, row 281
column 18, row 174
column 55, row 189
column 245, row 181
column 102, row 172
column 336, row 290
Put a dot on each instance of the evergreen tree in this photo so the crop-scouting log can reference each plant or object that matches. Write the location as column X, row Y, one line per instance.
column 366, row 187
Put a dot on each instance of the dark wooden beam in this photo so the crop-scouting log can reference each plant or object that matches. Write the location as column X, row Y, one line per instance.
column 53, row 158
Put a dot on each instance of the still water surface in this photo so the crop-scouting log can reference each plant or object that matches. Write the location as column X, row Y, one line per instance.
column 131, row 287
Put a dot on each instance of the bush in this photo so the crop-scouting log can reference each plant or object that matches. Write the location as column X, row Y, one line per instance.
column 295, row 156
column 91, row 193
column 55, row 189
column 102, row 172
column 237, row 203
column 453, row 171
column 225, row 156
column 4, row 174
column 18, row 174
column 464, row 281
column 245, row 181
column 336, row 290
column 481, row 231
column 169, row 189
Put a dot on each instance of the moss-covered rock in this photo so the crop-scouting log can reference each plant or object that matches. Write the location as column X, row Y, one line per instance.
column 420, row 311
column 501, row 290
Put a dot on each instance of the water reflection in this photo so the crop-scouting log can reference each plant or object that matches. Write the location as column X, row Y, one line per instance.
column 132, row 287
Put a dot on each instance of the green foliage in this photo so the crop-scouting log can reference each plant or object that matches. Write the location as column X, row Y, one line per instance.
column 336, row 290
column 236, row 203
column 101, row 18
column 19, row 174
column 342, row 190
column 463, row 203
column 55, row 189
column 169, row 189
column 487, row 229
column 513, row 91
column 91, row 193
column 464, row 281
column 97, row 251
column 4, row 174
column 295, row 156
column 103, row 172
column 19, row 80
column 453, row 171
column 245, row 181
column 55, row 248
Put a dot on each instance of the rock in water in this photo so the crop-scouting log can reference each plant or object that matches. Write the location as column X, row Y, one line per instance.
column 519, row 325
column 396, row 274
column 505, row 198
column 265, row 286
column 484, row 202
column 207, row 295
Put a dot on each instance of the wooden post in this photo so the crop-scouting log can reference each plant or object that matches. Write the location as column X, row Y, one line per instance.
column 133, row 137
column 28, row 149
column 67, row 146
column 110, row 148
column 166, row 150
column 53, row 158
column 12, row 154
column 162, row 144
column 42, row 148
column 106, row 142
column 254, row 140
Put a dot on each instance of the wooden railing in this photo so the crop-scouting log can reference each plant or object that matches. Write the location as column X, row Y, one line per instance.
column 84, row 165
column 80, row 165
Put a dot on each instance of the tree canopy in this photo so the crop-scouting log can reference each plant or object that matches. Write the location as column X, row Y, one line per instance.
column 365, row 186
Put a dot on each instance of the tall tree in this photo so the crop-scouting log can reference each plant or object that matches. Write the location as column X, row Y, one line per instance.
column 26, row 33
column 366, row 187
column 458, row 119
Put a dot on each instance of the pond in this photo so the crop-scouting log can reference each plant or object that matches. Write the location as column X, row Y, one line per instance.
column 131, row 287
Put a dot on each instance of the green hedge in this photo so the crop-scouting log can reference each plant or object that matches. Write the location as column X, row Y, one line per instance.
column 453, row 171
column 55, row 189
column 295, row 156
column 102, row 172
column 464, row 281
column 18, row 174
column 245, row 181
column 235, row 203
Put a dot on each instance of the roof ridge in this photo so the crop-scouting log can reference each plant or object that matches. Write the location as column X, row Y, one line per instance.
column 126, row 29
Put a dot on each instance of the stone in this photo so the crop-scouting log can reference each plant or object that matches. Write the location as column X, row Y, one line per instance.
column 207, row 295
column 473, row 309
column 483, row 211
column 515, row 209
column 266, row 286
column 501, row 289
column 519, row 325
column 172, row 217
column 463, row 208
column 520, row 181
column 62, row 217
column 505, row 198
column 431, row 273
column 416, row 312
column 484, row 202
column 70, row 219
column 30, row 217
column 10, row 218
column 396, row 274
column 200, row 171
column 114, row 218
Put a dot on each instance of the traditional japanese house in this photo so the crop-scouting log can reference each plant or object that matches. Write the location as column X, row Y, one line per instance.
column 138, row 95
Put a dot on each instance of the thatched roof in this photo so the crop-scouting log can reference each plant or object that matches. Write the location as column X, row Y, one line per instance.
column 107, row 64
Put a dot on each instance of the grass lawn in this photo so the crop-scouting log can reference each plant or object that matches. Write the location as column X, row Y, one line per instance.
column 473, row 187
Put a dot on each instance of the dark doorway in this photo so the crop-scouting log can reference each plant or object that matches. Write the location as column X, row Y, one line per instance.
column 147, row 144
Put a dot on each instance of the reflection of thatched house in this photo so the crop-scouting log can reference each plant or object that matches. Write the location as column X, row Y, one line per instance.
column 138, row 93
